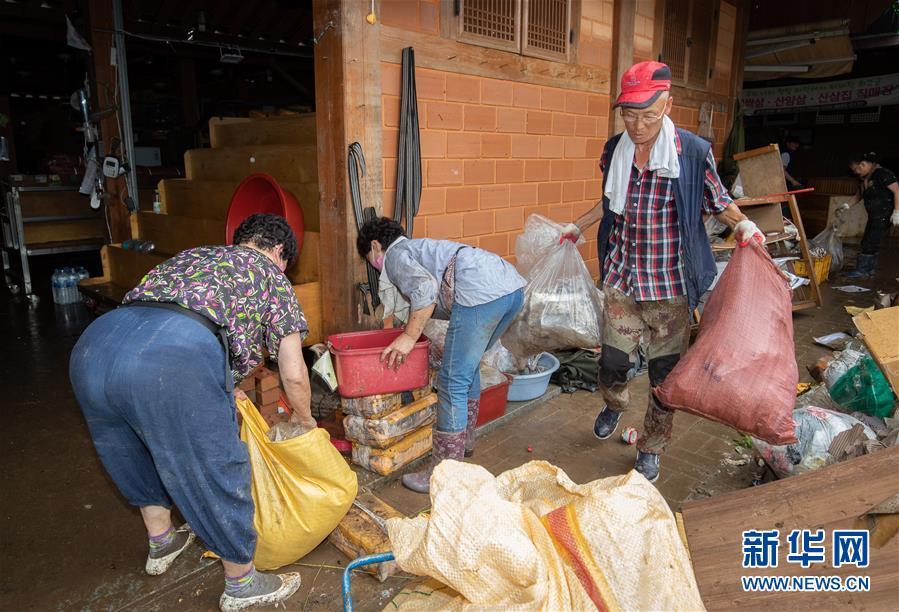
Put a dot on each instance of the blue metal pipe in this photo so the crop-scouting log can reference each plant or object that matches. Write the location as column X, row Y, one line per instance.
column 354, row 565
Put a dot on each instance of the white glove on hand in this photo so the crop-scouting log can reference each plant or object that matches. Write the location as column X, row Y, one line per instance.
column 745, row 231
column 570, row 232
column 843, row 207
column 894, row 218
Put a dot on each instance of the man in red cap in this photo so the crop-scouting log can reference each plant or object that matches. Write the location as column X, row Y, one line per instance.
column 656, row 262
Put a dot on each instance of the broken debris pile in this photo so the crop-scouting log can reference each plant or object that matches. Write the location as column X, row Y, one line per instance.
column 852, row 410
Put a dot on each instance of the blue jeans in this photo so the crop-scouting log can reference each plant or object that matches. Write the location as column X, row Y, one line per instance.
column 472, row 330
column 152, row 386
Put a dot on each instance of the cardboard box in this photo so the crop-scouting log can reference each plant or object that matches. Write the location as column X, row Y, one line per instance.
column 880, row 330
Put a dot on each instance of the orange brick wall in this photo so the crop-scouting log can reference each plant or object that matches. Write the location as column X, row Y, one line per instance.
column 494, row 152
column 595, row 41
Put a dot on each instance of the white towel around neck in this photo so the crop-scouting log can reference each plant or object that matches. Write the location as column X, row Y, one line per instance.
column 662, row 159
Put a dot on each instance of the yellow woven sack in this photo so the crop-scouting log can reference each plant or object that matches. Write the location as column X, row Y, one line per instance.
column 532, row 540
column 301, row 487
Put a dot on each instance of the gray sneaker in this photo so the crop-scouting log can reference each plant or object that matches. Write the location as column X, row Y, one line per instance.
column 606, row 423
column 648, row 465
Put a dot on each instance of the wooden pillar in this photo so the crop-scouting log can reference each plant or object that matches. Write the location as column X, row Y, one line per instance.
column 190, row 107
column 103, row 84
column 348, row 109
column 624, row 15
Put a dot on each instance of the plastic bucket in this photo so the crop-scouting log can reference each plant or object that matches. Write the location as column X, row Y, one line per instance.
column 526, row 387
column 360, row 373
column 493, row 402
column 260, row 193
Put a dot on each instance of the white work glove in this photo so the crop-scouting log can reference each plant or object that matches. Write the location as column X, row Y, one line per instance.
column 745, row 231
column 843, row 207
column 894, row 218
column 570, row 232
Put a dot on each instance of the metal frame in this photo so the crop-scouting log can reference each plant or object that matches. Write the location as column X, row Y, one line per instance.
column 14, row 235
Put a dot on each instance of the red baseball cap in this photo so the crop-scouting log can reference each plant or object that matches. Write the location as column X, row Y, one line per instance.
column 643, row 83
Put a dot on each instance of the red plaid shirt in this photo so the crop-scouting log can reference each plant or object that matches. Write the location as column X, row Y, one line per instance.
column 643, row 257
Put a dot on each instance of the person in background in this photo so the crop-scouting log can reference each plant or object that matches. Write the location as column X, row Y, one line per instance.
column 477, row 291
column 791, row 145
column 655, row 258
column 880, row 192
column 155, row 380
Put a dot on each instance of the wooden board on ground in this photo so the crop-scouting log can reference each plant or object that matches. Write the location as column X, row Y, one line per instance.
column 359, row 534
column 309, row 295
column 285, row 163
column 761, row 171
column 276, row 130
column 831, row 497
column 879, row 330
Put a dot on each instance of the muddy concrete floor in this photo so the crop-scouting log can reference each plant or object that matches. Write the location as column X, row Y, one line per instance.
column 70, row 542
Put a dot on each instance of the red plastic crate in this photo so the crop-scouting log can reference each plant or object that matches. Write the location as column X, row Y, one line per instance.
column 357, row 363
column 493, row 402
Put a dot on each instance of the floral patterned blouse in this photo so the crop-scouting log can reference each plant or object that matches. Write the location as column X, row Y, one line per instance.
column 238, row 288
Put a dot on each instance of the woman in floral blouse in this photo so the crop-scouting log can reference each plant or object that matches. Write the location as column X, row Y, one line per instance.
column 155, row 381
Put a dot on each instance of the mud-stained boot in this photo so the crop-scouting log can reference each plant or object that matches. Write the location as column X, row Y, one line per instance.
column 473, row 408
column 446, row 445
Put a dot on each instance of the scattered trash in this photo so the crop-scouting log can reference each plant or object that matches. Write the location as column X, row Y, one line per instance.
column 802, row 387
column 836, row 341
column 816, row 429
column 882, row 299
column 829, row 242
column 88, row 506
column 864, row 388
column 736, row 462
column 530, row 449
column 629, row 436
column 852, row 289
column 857, row 310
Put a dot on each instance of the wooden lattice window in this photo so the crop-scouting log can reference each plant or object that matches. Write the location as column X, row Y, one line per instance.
column 539, row 28
column 490, row 23
column 547, row 28
column 688, row 36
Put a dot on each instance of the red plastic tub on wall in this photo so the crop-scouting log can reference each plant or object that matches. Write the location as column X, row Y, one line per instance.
column 360, row 373
column 260, row 193
column 493, row 402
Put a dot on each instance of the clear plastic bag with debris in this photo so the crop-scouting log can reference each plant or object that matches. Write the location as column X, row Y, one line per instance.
column 562, row 307
column 845, row 361
column 286, row 430
column 435, row 331
column 830, row 242
column 816, row 429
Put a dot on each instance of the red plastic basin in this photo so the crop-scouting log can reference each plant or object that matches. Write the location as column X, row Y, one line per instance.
column 360, row 373
column 493, row 402
column 260, row 193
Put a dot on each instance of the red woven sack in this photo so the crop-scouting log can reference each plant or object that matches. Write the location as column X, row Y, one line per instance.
column 741, row 371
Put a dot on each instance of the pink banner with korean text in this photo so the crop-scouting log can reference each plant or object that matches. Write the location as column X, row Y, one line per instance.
column 853, row 93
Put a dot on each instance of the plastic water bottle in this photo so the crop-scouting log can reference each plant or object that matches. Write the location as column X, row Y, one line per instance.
column 56, row 284
column 71, row 286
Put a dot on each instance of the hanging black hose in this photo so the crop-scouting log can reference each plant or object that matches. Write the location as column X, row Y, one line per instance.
column 355, row 165
column 408, row 163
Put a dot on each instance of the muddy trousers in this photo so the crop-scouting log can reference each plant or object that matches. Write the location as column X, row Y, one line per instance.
column 152, row 386
column 665, row 328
